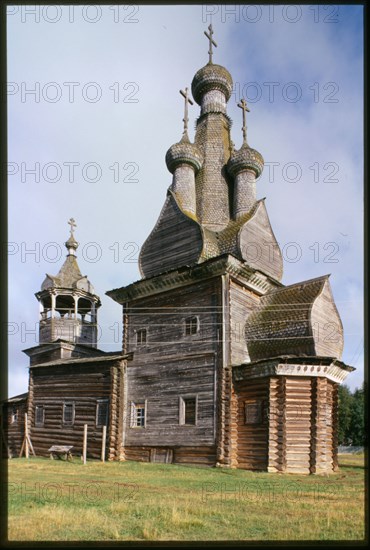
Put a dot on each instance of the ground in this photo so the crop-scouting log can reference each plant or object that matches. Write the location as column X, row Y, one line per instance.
column 57, row 500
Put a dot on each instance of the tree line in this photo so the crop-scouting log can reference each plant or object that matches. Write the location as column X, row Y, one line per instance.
column 351, row 428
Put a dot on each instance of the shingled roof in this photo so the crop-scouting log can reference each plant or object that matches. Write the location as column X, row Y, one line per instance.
column 299, row 319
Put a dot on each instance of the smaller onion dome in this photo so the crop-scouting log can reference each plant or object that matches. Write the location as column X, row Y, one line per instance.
column 184, row 152
column 245, row 159
column 211, row 77
column 71, row 245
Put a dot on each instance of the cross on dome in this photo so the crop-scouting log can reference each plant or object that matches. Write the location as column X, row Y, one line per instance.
column 73, row 224
column 187, row 100
column 243, row 106
column 211, row 41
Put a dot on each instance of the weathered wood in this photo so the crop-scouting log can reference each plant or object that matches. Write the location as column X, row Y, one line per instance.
column 177, row 235
column 103, row 443
column 242, row 302
column 3, row 438
column 83, row 384
column 59, row 450
column 13, row 430
column 258, row 244
column 84, row 449
column 252, row 439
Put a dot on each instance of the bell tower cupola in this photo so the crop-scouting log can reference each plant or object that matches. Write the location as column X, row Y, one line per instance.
column 68, row 324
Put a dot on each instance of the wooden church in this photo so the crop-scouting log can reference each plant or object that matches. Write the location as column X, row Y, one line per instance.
column 221, row 364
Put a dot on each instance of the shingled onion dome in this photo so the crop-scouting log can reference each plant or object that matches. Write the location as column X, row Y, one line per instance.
column 71, row 245
column 212, row 87
column 245, row 166
column 245, row 159
column 184, row 152
column 184, row 160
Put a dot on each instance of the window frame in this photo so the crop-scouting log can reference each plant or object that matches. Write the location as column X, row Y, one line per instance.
column 39, row 424
column 260, row 412
column 141, row 331
column 99, row 403
column 189, row 323
column 135, row 405
column 65, row 404
column 182, row 409
column 14, row 415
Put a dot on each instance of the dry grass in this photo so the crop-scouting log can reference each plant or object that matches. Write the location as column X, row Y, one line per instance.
column 59, row 501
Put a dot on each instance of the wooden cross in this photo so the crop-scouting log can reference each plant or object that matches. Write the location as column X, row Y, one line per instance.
column 187, row 100
column 211, row 41
column 243, row 106
column 73, row 224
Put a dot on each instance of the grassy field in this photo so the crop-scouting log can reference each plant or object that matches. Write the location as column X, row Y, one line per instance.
column 57, row 500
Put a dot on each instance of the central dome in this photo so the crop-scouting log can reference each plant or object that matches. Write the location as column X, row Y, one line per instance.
column 211, row 77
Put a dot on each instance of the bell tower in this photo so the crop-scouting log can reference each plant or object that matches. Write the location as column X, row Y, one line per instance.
column 68, row 325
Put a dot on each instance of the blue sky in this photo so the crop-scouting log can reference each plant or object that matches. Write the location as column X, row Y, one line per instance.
column 107, row 98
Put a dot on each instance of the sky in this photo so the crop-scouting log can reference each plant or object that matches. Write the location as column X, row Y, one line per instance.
column 94, row 105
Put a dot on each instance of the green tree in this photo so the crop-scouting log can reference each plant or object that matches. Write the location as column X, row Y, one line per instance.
column 357, row 422
column 345, row 404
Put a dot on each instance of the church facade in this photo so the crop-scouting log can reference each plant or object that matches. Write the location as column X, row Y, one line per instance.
column 221, row 364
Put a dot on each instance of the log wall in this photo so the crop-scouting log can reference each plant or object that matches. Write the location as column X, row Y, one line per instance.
column 252, row 439
column 160, row 385
column 163, row 316
column 324, row 426
column 299, row 433
column 195, row 455
column 13, row 431
column 172, row 364
column 82, row 385
column 297, row 424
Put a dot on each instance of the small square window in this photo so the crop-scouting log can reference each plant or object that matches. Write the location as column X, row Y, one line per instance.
column 191, row 325
column 68, row 414
column 138, row 415
column 188, row 410
column 102, row 412
column 141, row 336
column 253, row 412
column 39, row 415
column 14, row 415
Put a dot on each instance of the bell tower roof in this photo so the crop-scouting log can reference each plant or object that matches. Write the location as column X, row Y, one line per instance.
column 69, row 275
column 68, row 307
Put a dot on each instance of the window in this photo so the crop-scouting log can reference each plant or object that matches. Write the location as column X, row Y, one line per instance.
column 188, row 410
column 39, row 415
column 14, row 415
column 191, row 325
column 141, row 336
column 253, row 412
column 68, row 414
column 102, row 412
column 138, row 415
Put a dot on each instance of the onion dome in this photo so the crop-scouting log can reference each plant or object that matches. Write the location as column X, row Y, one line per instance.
column 211, row 77
column 71, row 245
column 245, row 159
column 184, row 152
